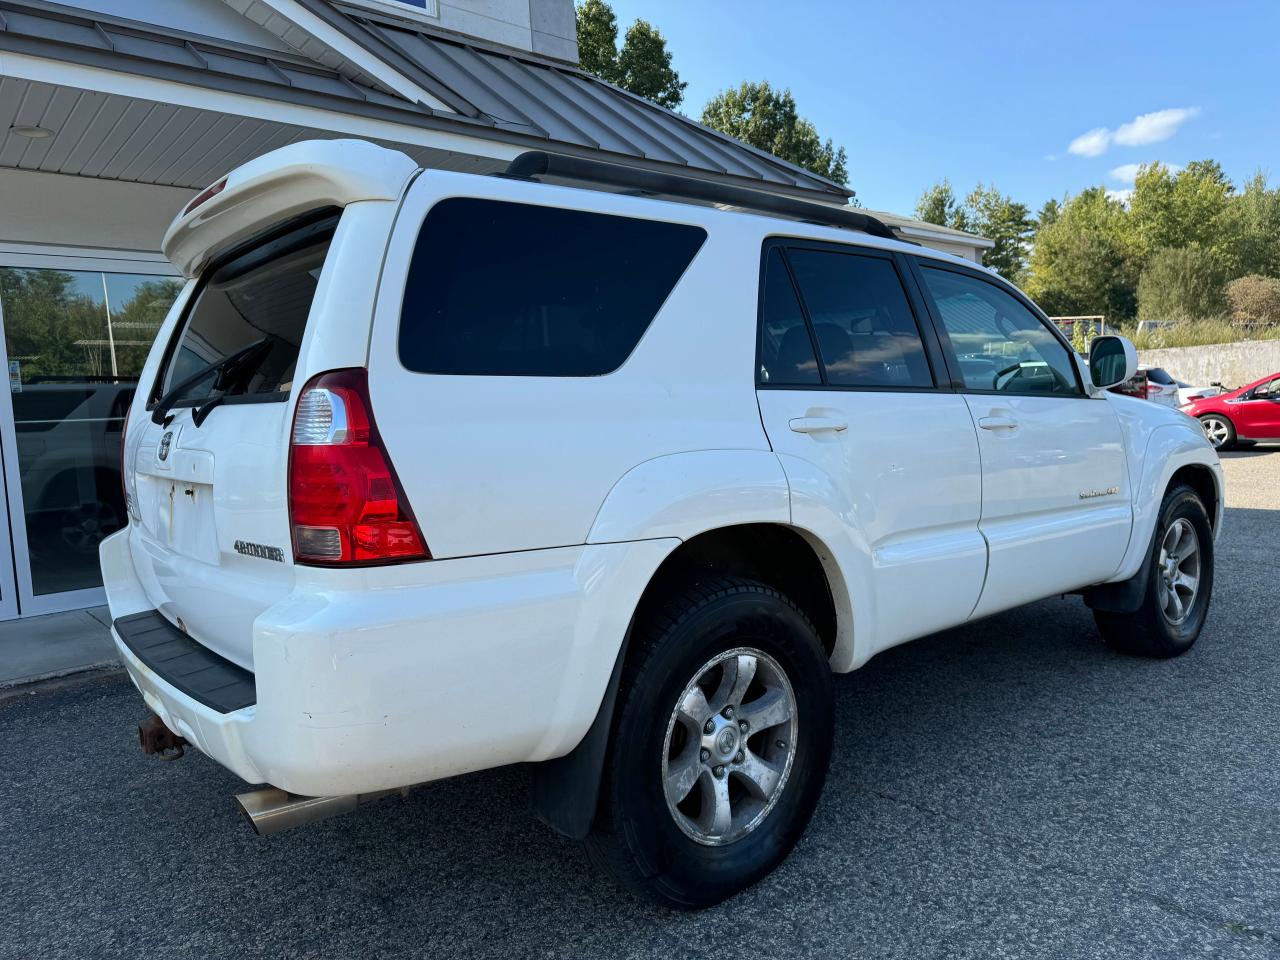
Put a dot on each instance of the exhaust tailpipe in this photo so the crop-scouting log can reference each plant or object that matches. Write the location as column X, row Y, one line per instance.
column 272, row 810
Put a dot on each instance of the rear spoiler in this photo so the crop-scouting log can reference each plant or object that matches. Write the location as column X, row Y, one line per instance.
column 279, row 185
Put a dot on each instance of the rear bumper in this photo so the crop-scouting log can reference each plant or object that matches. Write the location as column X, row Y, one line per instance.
column 375, row 679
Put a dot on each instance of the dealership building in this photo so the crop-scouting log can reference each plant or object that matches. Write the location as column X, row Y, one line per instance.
column 115, row 113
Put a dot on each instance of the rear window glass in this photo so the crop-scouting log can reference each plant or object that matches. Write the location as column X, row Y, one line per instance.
column 507, row 289
column 863, row 323
column 1157, row 375
column 254, row 305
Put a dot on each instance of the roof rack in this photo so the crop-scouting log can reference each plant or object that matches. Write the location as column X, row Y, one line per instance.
column 538, row 163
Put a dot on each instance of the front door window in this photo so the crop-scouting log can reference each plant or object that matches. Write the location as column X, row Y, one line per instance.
column 76, row 343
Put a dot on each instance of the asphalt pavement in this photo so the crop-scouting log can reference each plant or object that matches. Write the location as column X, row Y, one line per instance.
column 1007, row 789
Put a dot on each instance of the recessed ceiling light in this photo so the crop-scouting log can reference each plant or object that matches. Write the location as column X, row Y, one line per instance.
column 31, row 132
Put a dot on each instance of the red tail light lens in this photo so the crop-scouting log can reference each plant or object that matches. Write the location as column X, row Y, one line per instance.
column 346, row 505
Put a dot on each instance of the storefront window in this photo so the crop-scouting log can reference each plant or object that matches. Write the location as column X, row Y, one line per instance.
column 76, row 343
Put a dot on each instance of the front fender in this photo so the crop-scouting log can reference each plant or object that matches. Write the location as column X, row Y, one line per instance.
column 685, row 494
column 1169, row 448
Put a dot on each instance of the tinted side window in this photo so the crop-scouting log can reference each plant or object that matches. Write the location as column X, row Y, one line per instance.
column 786, row 351
column 1001, row 345
column 863, row 323
column 508, row 289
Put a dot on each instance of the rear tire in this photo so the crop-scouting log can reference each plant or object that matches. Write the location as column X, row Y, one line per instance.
column 722, row 643
column 1179, row 584
column 1219, row 431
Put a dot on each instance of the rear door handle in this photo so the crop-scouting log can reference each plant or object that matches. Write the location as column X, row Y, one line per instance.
column 818, row 425
column 998, row 423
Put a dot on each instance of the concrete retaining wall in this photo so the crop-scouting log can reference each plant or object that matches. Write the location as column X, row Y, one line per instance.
column 1233, row 364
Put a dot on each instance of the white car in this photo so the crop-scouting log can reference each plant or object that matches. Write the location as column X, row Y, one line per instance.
column 431, row 472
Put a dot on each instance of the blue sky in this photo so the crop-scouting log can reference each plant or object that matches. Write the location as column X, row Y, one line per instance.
column 997, row 92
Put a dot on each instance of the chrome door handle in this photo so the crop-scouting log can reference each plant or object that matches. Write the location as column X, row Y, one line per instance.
column 818, row 425
column 998, row 423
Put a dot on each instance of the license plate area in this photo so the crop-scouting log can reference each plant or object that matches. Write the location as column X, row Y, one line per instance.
column 179, row 516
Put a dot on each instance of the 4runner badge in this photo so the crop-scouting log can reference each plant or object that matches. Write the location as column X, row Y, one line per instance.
column 164, row 444
column 1090, row 494
column 259, row 550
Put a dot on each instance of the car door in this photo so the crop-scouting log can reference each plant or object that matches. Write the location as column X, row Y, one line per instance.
column 1056, row 510
column 849, row 397
column 1257, row 415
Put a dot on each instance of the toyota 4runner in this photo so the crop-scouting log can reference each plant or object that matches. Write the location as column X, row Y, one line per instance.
column 431, row 472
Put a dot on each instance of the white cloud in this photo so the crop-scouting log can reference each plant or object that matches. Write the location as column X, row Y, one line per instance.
column 1140, row 131
column 1128, row 172
column 1124, row 196
column 1153, row 127
column 1091, row 144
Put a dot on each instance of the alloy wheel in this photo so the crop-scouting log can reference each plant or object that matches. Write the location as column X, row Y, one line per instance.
column 1179, row 570
column 730, row 745
column 1216, row 430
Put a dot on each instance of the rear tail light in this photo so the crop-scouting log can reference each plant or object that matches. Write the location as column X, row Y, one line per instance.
column 346, row 505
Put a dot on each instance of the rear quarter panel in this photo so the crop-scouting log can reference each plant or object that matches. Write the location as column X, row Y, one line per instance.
column 493, row 464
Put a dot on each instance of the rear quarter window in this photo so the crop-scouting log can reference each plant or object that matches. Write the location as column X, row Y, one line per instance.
column 510, row 289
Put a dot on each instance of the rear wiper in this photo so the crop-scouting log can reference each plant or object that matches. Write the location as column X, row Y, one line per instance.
column 241, row 361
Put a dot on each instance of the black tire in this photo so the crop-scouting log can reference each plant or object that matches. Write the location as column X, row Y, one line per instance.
column 1147, row 631
column 635, row 837
column 1216, row 418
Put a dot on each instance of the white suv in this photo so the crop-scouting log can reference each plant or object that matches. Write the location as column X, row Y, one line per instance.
column 430, row 472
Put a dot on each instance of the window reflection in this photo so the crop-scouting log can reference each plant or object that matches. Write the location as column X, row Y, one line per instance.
column 76, row 341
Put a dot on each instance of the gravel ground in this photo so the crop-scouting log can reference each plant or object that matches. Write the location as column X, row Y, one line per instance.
column 1010, row 788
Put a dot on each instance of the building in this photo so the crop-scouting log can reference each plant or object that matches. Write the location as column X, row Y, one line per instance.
column 114, row 113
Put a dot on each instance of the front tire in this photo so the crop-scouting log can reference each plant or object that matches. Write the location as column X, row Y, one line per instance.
column 1219, row 431
column 1179, row 584
column 720, row 743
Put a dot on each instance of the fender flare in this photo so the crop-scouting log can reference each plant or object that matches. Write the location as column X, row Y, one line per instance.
column 1170, row 447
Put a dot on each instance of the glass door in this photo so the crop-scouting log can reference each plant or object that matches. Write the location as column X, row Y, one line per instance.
column 74, row 343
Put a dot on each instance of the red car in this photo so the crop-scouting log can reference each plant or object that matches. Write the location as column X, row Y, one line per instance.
column 1250, row 413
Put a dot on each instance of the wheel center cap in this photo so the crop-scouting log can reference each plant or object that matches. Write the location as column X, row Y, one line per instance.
column 727, row 741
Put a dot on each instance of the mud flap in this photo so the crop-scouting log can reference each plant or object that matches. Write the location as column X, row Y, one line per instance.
column 564, row 791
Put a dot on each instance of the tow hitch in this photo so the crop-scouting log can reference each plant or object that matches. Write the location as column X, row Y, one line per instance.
column 158, row 740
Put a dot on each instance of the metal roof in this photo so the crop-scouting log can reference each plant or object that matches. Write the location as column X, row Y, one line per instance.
column 499, row 94
column 549, row 99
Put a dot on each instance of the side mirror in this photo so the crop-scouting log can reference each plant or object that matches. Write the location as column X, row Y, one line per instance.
column 1112, row 360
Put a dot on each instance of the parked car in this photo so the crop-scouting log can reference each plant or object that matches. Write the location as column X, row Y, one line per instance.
column 430, row 472
column 1240, row 416
column 1187, row 393
column 1151, row 383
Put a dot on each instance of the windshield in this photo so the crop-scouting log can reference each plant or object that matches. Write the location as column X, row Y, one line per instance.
column 261, row 294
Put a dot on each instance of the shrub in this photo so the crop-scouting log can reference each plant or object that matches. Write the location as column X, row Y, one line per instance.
column 1254, row 300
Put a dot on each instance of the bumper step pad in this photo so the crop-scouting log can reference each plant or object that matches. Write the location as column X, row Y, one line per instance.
column 185, row 664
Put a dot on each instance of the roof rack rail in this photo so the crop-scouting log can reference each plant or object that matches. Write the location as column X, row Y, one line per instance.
column 539, row 163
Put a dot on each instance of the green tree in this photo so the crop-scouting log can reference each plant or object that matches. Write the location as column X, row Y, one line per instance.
column 759, row 115
column 598, row 39
column 988, row 213
column 937, row 204
column 1083, row 262
column 1048, row 214
column 1182, row 283
column 644, row 67
column 1174, row 210
column 991, row 214
column 1254, row 229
